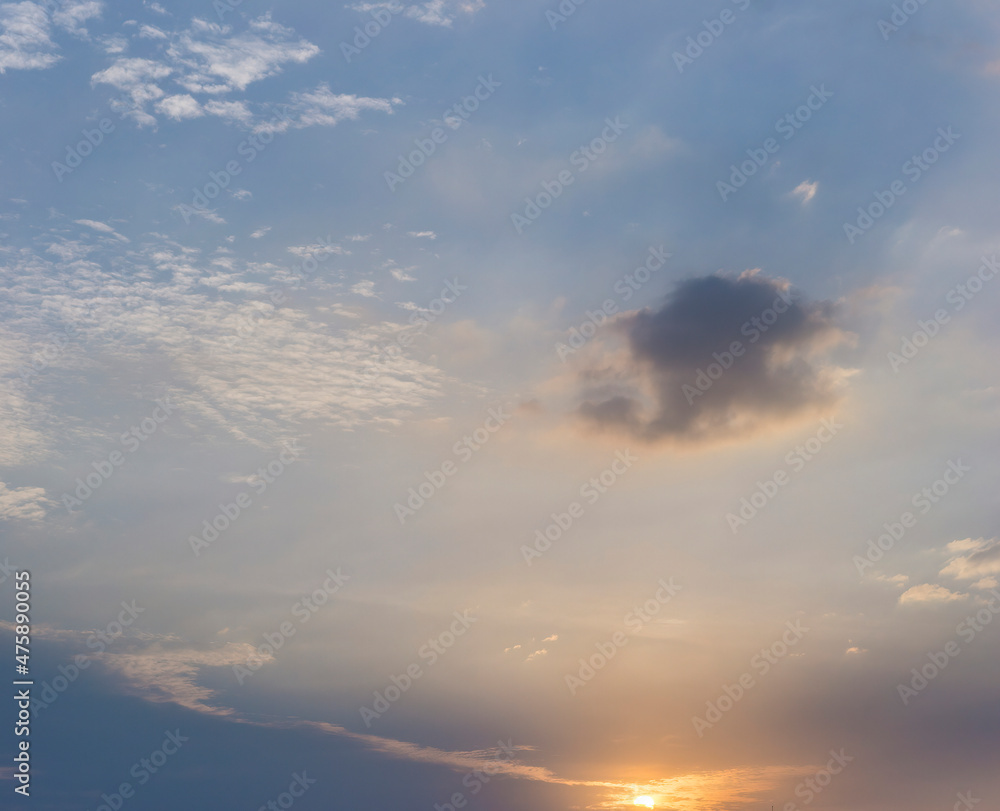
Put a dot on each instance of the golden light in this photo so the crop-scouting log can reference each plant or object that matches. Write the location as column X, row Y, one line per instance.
column 644, row 800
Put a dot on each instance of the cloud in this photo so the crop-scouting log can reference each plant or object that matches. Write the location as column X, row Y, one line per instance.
column 26, row 420
column 929, row 593
column 237, row 363
column 209, row 214
column 422, row 234
column 206, row 59
column 24, row 38
column 805, row 191
column 137, row 78
column 160, row 670
column 721, row 357
column 23, row 503
column 104, row 228
column 113, row 44
column 443, row 12
column 210, row 60
column 322, row 107
column 71, row 13
column 973, row 559
column 163, row 675
column 151, row 32
column 317, row 249
column 365, row 288
column 179, row 107
column 229, row 110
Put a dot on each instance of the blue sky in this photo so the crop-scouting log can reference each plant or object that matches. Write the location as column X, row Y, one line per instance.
column 241, row 366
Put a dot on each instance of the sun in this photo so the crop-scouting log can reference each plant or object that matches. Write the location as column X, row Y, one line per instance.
column 645, row 800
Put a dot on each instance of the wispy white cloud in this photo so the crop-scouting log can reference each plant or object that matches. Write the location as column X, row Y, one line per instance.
column 318, row 249
column 322, row 107
column 443, row 12
column 973, row 558
column 236, row 362
column 929, row 593
column 169, row 675
column 104, row 228
column 805, row 191
column 24, row 503
column 71, row 14
column 151, row 32
column 25, row 42
column 237, row 111
column 179, row 107
column 208, row 61
column 365, row 288
column 211, row 59
column 204, row 59
column 137, row 78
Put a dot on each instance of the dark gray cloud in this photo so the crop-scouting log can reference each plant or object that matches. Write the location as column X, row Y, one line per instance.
column 721, row 356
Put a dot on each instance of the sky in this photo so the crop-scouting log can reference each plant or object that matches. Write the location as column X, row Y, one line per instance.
column 475, row 405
